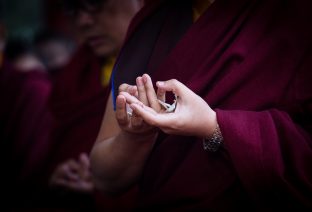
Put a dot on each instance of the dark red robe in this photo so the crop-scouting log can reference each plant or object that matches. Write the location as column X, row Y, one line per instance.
column 251, row 60
column 24, row 133
column 78, row 103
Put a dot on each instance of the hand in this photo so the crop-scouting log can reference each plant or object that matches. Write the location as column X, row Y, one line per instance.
column 143, row 92
column 192, row 115
column 73, row 175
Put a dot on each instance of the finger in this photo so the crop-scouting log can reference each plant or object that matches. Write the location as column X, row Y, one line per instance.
column 135, row 120
column 174, row 86
column 123, row 87
column 150, row 92
column 121, row 111
column 85, row 165
column 161, row 94
column 130, row 99
column 84, row 160
column 72, row 169
column 152, row 117
column 64, row 172
column 133, row 90
column 148, row 109
column 141, row 91
column 72, row 165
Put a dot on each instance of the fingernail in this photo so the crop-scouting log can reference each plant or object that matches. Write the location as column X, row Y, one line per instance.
column 120, row 99
column 133, row 90
column 139, row 81
column 144, row 78
column 160, row 83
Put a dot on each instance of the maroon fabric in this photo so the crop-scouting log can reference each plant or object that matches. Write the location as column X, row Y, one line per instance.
column 24, row 133
column 78, row 103
column 251, row 61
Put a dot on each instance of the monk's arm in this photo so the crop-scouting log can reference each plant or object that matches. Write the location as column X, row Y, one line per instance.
column 118, row 157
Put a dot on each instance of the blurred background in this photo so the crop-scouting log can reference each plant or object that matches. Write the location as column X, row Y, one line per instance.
column 55, row 69
column 24, row 19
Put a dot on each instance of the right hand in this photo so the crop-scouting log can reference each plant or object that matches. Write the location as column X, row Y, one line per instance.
column 192, row 115
column 142, row 92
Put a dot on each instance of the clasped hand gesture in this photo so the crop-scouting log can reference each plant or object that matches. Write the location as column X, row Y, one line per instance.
column 73, row 175
column 192, row 115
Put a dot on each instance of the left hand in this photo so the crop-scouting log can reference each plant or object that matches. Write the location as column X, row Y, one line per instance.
column 142, row 92
column 192, row 115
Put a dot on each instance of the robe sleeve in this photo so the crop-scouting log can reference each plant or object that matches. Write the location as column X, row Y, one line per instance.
column 272, row 149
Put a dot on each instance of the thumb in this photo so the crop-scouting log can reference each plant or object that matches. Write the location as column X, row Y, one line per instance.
column 84, row 160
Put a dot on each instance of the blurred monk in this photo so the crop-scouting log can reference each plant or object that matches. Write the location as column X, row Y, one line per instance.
column 25, row 123
column 79, row 93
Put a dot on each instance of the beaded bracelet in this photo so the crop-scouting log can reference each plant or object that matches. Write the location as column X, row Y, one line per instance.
column 214, row 141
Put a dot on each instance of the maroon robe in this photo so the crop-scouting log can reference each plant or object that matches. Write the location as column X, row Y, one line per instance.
column 251, row 60
column 24, row 133
column 78, row 103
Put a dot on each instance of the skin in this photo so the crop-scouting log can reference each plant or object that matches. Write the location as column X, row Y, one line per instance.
column 185, row 120
column 73, row 175
column 117, row 160
column 103, row 30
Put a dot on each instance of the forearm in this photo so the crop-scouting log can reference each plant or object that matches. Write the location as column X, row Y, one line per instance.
column 117, row 162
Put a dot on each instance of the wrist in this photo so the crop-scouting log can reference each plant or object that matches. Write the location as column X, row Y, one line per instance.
column 210, row 124
column 139, row 137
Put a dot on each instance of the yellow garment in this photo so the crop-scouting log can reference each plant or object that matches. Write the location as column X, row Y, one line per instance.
column 107, row 71
column 199, row 7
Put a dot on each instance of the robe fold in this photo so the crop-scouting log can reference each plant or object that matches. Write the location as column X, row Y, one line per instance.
column 250, row 60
